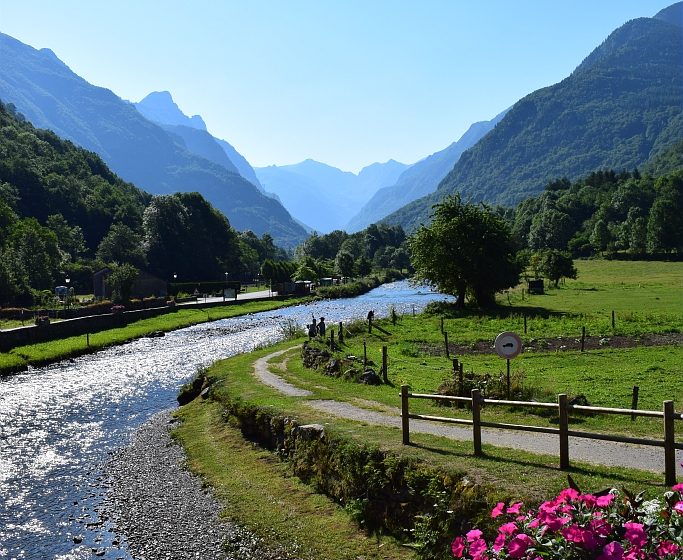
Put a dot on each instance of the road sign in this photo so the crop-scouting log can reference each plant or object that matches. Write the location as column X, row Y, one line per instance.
column 508, row 345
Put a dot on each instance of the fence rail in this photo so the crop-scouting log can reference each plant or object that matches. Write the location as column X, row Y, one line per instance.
column 476, row 401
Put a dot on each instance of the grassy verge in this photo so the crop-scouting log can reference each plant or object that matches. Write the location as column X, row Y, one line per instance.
column 258, row 492
column 48, row 352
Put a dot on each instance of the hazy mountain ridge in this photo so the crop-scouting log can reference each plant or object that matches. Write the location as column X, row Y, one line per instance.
column 160, row 107
column 323, row 196
column 51, row 96
column 622, row 105
column 420, row 179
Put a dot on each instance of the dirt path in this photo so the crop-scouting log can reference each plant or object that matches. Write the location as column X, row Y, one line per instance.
column 597, row 452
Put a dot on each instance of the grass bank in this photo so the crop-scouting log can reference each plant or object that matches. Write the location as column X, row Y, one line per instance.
column 48, row 352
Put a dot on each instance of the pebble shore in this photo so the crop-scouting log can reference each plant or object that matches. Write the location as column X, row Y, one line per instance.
column 161, row 511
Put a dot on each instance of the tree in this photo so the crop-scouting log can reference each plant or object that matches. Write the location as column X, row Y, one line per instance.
column 121, row 281
column 122, row 245
column 665, row 225
column 344, row 264
column 466, row 249
column 555, row 265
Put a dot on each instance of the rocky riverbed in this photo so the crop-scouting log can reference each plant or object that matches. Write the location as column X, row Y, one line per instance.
column 159, row 510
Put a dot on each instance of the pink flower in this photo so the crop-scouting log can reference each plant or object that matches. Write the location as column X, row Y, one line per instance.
column 678, row 507
column 604, row 501
column 499, row 543
column 519, row 545
column 478, row 547
column 473, row 535
column 514, row 508
column 458, row 547
column 667, row 547
column 635, row 534
column 612, row 551
column 508, row 528
column 498, row 510
column 588, row 499
column 568, row 494
column 677, row 487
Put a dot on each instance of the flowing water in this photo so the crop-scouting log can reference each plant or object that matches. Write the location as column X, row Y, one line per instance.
column 59, row 423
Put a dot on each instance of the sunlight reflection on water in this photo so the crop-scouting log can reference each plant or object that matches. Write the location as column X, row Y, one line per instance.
column 58, row 423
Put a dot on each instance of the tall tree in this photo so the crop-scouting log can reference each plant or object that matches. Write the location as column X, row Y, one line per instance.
column 466, row 249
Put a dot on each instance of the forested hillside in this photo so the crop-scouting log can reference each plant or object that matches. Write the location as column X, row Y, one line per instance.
column 618, row 109
column 64, row 213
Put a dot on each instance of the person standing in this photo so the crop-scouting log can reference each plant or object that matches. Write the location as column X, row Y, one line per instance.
column 321, row 327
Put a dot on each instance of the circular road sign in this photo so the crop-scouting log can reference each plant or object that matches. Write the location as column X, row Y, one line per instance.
column 508, row 345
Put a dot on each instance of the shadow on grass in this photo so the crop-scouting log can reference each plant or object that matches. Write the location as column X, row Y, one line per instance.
column 449, row 311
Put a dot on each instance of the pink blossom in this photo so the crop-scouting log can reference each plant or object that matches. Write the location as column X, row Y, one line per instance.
column 635, row 534
column 458, row 547
column 498, row 510
column 499, row 543
column 473, row 535
column 612, row 551
column 678, row 507
column 478, row 547
column 568, row 494
column 515, row 508
column 588, row 499
column 508, row 528
column 677, row 487
column 667, row 547
column 604, row 501
column 519, row 545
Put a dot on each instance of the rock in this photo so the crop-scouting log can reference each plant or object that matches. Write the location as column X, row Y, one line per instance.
column 309, row 432
column 78, row 539
column 333, row 368
column 604, row 342
column 369, row 377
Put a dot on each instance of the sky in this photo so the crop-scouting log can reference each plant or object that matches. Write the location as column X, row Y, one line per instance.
column 345, row 82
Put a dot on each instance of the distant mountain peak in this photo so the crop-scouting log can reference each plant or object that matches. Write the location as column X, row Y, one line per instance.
column 160, row 107
column 673, row 14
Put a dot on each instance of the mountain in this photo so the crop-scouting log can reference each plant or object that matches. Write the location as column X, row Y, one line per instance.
column 420, row 179
column 323, row 196
column 160, row 108
column 620, row 106
column 51, row 96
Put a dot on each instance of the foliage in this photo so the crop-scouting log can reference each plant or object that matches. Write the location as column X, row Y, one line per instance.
column 121, row 280
column 575, row 525
column 466, row 249
column 555, row 265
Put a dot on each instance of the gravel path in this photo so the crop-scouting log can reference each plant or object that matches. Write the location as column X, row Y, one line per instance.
column 590, row 451
column 164, row 511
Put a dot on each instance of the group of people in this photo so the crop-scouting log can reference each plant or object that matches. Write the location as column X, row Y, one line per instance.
column 316, row 329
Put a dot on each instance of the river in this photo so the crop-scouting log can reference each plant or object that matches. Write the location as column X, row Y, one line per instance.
column 58, row 424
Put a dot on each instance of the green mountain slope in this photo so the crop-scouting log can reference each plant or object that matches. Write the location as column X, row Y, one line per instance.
column 620, row 107
column 41, row 175
column 51, row 96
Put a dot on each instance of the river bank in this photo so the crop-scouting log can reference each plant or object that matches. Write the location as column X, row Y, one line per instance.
column 151, row 522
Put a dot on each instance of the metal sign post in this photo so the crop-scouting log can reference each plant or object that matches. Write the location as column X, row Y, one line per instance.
column 508, row 345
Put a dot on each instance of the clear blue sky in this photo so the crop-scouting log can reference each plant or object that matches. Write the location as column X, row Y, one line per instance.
column 346, row 82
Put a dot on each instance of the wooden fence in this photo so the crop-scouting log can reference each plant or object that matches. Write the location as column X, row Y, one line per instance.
column 563, row 432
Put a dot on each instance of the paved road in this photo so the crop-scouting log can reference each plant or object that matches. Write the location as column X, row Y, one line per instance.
column 589, row 451
column 262, row 294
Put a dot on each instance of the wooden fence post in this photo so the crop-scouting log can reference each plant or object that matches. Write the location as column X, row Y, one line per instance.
column 341, row 333
column 405, row 421
column 564, row 431
column 613, row 323
column 476, row 422
column 445, row 337
column 524, row 324
column 365, row 352
column 332, row 340
column 369, row 323
column 669, row 449
column 634, row 401
column 385, row 375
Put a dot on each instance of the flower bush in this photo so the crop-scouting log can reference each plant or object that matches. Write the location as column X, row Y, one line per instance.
column 576, row 526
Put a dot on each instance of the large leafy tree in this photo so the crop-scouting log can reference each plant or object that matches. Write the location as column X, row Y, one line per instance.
column 467, row 249
column 555, row 265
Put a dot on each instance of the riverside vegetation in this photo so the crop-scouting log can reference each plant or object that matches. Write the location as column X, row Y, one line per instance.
column 424, row 494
